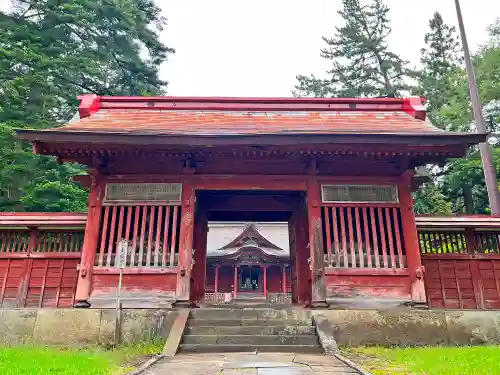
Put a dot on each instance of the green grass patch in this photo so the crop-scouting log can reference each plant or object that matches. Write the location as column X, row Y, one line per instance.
column 26, row 360
column 480, row 360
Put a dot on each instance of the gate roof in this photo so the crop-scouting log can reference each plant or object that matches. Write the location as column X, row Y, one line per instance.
column 216, row 121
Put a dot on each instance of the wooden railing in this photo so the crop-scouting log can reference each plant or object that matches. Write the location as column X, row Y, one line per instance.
column 358, row 236
column 459, row 235
column 152, row 233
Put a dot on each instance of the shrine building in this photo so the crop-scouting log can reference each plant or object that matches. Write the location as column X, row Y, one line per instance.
column 248, row 260
column 292, row 200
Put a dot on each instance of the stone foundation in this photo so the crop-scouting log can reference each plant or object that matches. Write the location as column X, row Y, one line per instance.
column 407, row 327
column 81, row 327
column 391, row 327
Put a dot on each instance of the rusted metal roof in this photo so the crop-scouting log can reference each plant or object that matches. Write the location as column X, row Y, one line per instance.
column 178, row 116
column 43, row 220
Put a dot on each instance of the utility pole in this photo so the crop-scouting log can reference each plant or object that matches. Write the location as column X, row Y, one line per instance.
column 490, row 174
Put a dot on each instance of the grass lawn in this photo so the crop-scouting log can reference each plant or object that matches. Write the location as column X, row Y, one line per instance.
column 26, row 360
column 428, row 361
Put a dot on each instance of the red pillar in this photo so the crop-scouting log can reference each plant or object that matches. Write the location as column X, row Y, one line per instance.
column 316, row 243
column 198, row 274
column 217, row 279
column 186, row 245
column 265, row 281
column 235, row 280
column 84, row 282
column 412, row 245
column 284, row 279
column 301, row 255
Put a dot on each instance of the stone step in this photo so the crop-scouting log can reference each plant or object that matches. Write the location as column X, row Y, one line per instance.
column 246, row 322
column 225, row 348
column 224, row 313
column 250, row 330
column 253, row 340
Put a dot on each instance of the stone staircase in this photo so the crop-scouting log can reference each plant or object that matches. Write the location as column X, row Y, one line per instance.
column 247, row 330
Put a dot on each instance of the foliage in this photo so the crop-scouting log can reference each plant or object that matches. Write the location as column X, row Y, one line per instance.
column 54, row 196
column 50, row 52
column 430, row 200
column 362, row 63
column 441, row 59
column 481, row 360
column 467, row 174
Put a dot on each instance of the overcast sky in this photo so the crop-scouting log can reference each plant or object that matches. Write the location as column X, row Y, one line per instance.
column 257, row 47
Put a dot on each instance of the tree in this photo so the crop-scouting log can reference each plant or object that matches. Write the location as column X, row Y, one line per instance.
column 441, row 61
column 53, row 50
column 362, row 63
column 430, row 200
column 463, row 181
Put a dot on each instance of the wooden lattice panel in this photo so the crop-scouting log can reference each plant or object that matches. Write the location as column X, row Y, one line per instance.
column 162, row 193
column 363, row 237
column 359, row 194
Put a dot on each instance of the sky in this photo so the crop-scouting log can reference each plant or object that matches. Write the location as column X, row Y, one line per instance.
column 257, row 47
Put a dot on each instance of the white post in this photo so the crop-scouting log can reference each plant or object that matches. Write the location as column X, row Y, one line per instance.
column 121, row 263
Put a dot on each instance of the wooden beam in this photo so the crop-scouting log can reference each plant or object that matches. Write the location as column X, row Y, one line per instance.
column 316, row 242
column 411, row 240
column 90, row 240
column 186, row 245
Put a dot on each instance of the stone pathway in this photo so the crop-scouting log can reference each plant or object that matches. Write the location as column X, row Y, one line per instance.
column 250, row 364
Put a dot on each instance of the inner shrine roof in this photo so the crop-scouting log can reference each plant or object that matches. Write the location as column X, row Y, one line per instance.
column 167, row 118
column 229, row 239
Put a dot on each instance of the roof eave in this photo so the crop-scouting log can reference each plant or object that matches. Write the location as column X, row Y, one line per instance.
column 65, row 137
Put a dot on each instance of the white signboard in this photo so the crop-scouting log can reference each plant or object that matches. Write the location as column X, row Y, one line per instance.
column 122, row 254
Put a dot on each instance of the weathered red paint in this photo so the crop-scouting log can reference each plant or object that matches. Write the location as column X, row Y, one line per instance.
column 411, row 240
column 200, row 258
column 265, row 281
column 90, row 241
column 216, row 288
column 369, row 285
column 318, row 292
column 186, row 244
column 144, row 285
column 47, row 281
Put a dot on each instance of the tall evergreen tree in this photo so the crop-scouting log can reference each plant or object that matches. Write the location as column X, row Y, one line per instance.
column 362, row 63
column 51, row 51
column 440, row 59
column 462, row 180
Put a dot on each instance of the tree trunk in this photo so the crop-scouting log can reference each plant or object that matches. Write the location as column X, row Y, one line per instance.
column 468, row 200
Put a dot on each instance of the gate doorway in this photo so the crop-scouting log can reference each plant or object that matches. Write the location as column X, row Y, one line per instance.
column 250, row 243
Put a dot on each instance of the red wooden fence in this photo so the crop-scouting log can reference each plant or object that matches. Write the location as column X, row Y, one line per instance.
column 462, row 262
column 39, row 264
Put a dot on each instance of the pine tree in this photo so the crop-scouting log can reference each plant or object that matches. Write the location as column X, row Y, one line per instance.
column 362, row 63
column 440, row 60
